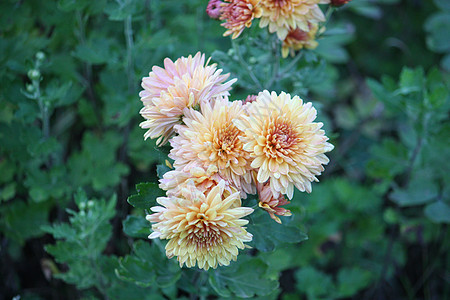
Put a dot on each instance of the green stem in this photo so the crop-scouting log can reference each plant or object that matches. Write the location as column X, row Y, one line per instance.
column 276, row 65
column 130, row 45
column 245, row 65
column 293, row 63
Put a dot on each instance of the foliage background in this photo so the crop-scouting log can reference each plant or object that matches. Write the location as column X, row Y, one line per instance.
column 71, row 152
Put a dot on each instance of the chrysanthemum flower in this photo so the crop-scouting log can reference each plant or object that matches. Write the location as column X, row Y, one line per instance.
column 210, row 138
column 213, row 8
column 285, row 144
column 184, row 83
column 203, row 179
column 239, row 14
column 298, row 39
column 271, row 203
column 281, row 15
column 202, row 230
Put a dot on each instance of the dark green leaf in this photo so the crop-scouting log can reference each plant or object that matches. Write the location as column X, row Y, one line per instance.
column 147, row 194
column 244, row 278
column 136, row 227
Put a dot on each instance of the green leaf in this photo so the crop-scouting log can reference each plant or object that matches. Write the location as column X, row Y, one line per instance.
column 148, row 265
column 136, row 227
column 21, row 221
column 352, row 280
column 438, row 212
column 438, row 27
column 135, row 270
column 267, row 233
column 420, row 190
column 147, row 194
column 244, row 278
column 314, row 283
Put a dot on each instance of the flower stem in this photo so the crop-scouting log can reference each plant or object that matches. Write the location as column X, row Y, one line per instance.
column 245, row 65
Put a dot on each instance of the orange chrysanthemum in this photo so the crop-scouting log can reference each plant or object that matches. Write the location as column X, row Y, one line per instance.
column 298, row 39
column 202, row 230
column 285, row 144
column 239, row 14
column 209, row 139
column 167, row 91
column 281, row 15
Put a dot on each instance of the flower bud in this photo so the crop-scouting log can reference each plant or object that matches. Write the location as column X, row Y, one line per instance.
column 82, row 205
column 40, row 56
column 34, row 74
column 30, row 88
column 337, row 3
column 90, row 204
column 213, row 9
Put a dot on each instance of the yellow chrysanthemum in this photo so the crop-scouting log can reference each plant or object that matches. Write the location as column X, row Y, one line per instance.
column 167, row 91
column 298, row 39
column 239, row 14
column 285, row 144
column 210, row 139
column 202, row 230
column 282, row 15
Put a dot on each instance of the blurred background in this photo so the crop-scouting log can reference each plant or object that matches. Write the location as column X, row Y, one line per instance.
column 71, row 151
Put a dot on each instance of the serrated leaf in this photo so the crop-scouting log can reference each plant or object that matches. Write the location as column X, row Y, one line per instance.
column 147, row 194
column 135, row 270
column 244, row 278
column 267, row 233
column 136, row 227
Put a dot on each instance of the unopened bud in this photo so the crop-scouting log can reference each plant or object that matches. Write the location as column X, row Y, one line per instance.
column 90, row 204
column 40, row 55
column 30, row 88
column 34, row 74
column 82, row 206
column 338, row 3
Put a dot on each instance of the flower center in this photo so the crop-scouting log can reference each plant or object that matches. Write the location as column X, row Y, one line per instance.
column 205, row 237
column 280, row 138
column 227, row 140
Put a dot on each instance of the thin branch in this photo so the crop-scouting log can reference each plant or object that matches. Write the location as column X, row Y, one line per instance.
column 245, row 65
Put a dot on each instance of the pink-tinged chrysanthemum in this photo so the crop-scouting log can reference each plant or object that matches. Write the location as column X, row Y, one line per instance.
column 213, row 8
column 239, row 14
column 203, row 179
column 281, row 15
column 272, row 203
column 184, row 83
column 210, row 138
column 203, row 230
column 285, row 144
column 298, row 39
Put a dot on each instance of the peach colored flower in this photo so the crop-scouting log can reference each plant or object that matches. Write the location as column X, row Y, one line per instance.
column 209, row 139
column 167, row 91
column 282, row 15
column 204, row 180
column 298, row 39
column 271, row 203
column 239, row 14
column 285, row 144
column 202, row 230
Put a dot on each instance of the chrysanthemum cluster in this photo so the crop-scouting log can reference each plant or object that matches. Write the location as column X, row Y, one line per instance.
column 295, row 22
column 224, row 151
